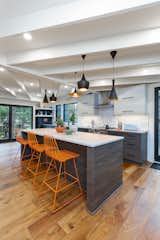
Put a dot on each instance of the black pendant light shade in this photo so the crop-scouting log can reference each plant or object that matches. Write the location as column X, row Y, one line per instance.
column 83, row 84
column 113, row 95
column 45, row 99
column 53, row 98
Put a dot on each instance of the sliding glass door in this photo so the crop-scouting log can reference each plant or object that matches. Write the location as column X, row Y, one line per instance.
column 21, row 119
column 4, row 122
column 157, row 124
column 13, row 119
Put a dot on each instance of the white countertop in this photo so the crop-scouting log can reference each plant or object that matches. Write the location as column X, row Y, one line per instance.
column 81, row 138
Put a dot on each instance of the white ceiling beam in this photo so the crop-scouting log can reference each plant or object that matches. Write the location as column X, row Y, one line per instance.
column 121, row 41
column 122, row 82
column 8, row 90
column 119, row 74
column 143, row 62
column 21, row 85
column 33, row 74
column 60, row 14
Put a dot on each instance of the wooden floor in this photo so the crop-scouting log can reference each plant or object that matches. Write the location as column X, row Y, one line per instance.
column 133, row 212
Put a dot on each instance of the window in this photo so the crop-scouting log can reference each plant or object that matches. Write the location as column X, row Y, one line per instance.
column 58, row 111
column 68, row 108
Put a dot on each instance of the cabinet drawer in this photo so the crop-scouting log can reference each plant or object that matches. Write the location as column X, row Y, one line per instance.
column 132, row 139
column 130, row 155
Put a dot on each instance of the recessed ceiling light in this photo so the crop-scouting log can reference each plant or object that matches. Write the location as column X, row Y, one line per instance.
column 27, row 36
column 2, row 69
column 19, row 90
column 31, row 84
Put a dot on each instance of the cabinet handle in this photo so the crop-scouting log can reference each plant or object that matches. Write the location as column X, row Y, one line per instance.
column 127, row 97
column 127, row 111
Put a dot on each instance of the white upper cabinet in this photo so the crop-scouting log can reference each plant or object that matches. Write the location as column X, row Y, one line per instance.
column 132, row 100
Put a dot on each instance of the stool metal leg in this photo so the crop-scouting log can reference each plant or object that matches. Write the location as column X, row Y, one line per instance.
column 57, row 185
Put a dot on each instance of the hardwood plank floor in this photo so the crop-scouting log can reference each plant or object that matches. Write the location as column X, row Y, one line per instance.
column 132, row 213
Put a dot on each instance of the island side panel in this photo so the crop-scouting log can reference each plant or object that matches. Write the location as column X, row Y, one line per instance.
column 104, row 172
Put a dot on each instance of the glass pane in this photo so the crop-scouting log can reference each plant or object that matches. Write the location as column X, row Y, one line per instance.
column 21, row 119
column 58, row 111
column 4, row 122
column 158, row 122
column 68, row 109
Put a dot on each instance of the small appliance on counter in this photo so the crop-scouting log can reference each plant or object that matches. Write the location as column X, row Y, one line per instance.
column 130, row 127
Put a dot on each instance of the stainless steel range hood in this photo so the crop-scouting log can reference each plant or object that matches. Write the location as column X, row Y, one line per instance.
column 102, row 100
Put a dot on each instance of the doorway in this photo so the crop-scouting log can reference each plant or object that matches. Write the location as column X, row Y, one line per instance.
column 157, row 124
column 13, row 118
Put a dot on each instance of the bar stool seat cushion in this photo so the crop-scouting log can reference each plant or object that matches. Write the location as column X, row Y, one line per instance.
column 61, row 155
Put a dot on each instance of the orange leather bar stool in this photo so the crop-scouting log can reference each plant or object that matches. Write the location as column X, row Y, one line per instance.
column 35, row 165
column 59, row 182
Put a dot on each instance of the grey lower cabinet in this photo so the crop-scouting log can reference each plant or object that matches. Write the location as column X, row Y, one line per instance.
column 135, row 145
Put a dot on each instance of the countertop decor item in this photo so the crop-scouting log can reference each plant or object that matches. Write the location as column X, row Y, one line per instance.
column 83, row 84
column 68, row 131
column 113, row 94
column 60, row 125
column 72, row 117
column 60, row 129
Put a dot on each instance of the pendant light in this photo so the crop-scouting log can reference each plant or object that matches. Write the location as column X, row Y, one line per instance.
column 53, row 98
column 74, row 94
column 45, row 99
column 83, row 84
column 113, row 94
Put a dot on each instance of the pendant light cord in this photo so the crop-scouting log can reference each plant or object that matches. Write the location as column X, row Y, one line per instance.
column 113, row 69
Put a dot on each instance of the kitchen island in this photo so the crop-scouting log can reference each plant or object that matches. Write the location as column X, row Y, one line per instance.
column 99, row 164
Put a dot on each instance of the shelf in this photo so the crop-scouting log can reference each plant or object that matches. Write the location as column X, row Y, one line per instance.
column 43, row 116
column 43, row 109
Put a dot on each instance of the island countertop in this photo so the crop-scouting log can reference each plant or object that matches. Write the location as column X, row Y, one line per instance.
column 81, row 138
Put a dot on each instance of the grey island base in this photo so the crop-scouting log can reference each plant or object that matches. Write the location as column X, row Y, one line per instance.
column 99, row 164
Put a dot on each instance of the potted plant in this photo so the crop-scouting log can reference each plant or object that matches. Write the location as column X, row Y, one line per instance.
column 60, row 125
column 72, row 119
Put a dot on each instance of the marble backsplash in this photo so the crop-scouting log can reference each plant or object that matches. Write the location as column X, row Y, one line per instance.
column 106, row 117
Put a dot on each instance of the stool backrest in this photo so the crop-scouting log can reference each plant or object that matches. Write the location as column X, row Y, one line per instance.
column 32, row 139
column 50, row 143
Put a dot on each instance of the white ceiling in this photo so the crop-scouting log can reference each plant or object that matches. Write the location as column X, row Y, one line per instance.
column 91, row 29
column 14, row 8
column 54, row 54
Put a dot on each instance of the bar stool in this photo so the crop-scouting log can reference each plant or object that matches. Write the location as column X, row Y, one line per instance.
column 36, row 164
column 54, row 183
column 24, row 156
